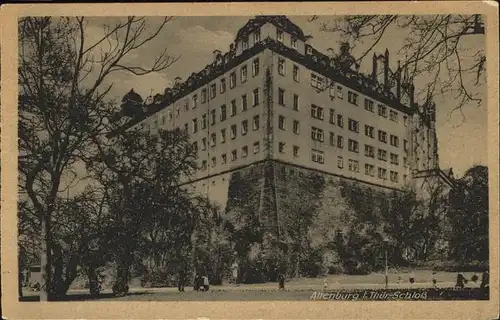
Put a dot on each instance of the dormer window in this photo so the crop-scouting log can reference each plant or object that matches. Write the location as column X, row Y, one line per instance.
column 279, row 35
column 245, row 43
column 309, row 50
column 294, row 43
column 256, row 36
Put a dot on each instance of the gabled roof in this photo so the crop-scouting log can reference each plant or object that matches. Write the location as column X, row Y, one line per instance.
column 282, row 22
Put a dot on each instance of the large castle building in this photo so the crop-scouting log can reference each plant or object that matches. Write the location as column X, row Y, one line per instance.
column 273, row 98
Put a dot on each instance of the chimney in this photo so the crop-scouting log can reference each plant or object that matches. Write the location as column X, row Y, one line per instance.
column 398, row 81
column 344, row 47
column 386, row 68
column 374, row 70
column 216, row 53
column 177, row 82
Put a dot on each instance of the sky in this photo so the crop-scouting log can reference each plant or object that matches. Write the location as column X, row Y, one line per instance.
column 461, row 139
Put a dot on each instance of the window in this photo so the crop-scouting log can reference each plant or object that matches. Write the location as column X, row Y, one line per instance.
column 223, row 158
column 256, row 123
column 281, row 96
column 244, row 74
column 177, row 112
column 294, row 43
column 204, row 144
column 195, row 125
column 382, row 110
column 295, row 102
column 352, row 97
column 382, row 173
column 279, row 35
column 382, row 154
column 195, row 101
column 170, row 116
column 296, row 126
column 295, row 151
column 394, row 141
column 369, row 131
column 332, row 116
column 256, row 36
column 340, row 93
column 332, row 139
column 340, row 142
column 244, row 127
column 353, row 125
column 393, row 115
column 353, row 145
column 186, row 105
column 331, row 91
column 256, row 147
column 244, row 103
column 405, row 162
column 296, row 73
column 281, row 147
column 232, row 80
column 213, row 90
column 405, row 121
column 213, row 117
column 204, row 121
column 163, row 119
column 255, row 97
column 340, row 120
column 369, row 151
column 368, row 105
column 382, row 136
column 222, row 85
column 203, row 95
column 186, row 127
column 213, row 138
column 244, row 151
column 194, row 147
column 255, row 67
column 316, row 81
column 234, row 155
column 223, row 136
column 394, row 176
column 317, row 156
column 405, row 143
column 394, row 158
column 281, row 66
column 223, row 112
column 340, row 162
column 353, row 165
column 317, row 112
column 233, row 131
column 204, row 165
column 233, row 108
column 317, row 134
column 281, row 122
column 244, row 43
column 369, row 170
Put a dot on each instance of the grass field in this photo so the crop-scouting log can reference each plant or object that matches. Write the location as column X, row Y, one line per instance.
column 295, row 289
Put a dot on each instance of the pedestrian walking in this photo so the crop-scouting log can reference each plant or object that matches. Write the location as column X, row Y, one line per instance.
column 434, row 280
column 181, row 280
column 281, row 281
column 206, row 283
column 461, row 281
column 412, row 278
column 234, row 268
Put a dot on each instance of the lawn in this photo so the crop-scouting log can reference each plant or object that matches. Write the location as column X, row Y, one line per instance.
column 295, row 289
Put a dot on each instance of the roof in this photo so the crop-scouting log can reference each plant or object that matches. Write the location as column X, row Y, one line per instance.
column 132, row 95
column 282, row 22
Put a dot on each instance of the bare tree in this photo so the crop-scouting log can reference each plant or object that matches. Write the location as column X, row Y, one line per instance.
column 435, row 47
column 62, row 107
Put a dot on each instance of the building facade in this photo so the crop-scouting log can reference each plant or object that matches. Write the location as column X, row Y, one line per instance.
column 273, row 98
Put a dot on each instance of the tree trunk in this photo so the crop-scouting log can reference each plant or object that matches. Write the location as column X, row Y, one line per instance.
column 93, row 281
column 120, row 287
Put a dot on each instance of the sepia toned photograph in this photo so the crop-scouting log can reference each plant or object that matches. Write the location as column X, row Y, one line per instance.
column 265, row 157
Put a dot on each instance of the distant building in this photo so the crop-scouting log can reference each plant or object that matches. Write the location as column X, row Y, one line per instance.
column 274, row 99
